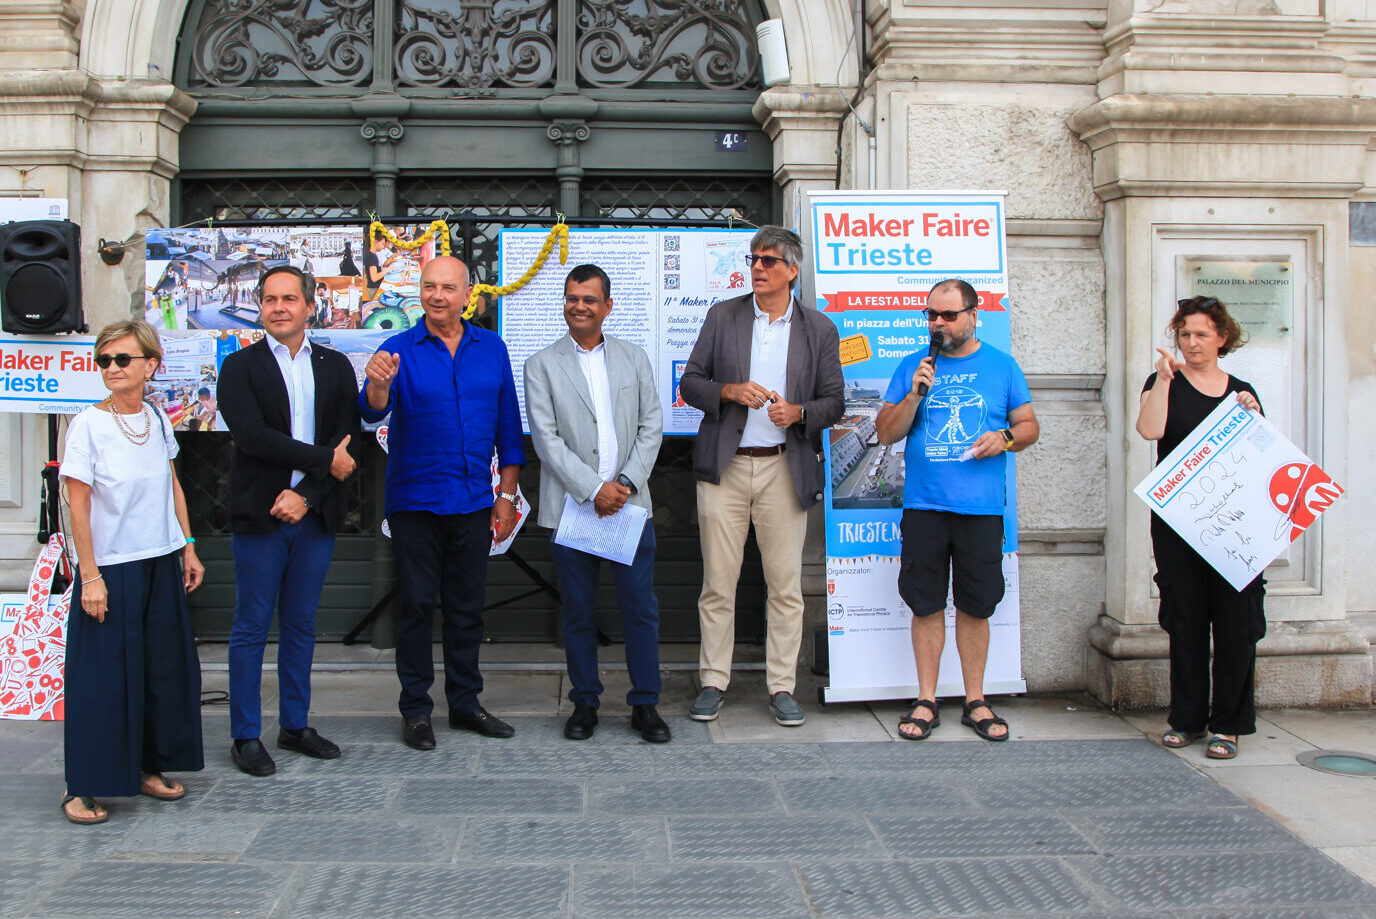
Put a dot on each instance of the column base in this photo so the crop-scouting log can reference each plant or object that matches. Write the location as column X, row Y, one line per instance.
column 1299, row 665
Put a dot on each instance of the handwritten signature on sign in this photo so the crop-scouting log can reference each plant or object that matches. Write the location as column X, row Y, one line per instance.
column 1210, row 493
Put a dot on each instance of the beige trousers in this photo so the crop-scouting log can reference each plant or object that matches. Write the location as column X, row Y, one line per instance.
column 757, row 490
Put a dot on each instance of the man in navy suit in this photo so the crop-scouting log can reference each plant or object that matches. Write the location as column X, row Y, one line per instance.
column 291, row 408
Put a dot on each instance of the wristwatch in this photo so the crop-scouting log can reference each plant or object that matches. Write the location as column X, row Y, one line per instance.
column 623, row 479
column 1008, row 438
column 306, row 501
column 509, row 496
column 802, row 415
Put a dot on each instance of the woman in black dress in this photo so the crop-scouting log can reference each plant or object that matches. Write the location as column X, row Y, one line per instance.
column 1196, row 599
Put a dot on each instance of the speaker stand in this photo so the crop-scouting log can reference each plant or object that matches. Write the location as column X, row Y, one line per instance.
column 50, row 501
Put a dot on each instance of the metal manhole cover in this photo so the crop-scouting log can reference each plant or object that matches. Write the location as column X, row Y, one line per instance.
column 1339, row 762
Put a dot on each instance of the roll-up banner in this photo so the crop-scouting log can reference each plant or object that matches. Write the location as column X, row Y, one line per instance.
column 874, row 256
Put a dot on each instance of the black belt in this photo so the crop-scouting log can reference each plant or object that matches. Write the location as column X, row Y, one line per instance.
column 760, row 451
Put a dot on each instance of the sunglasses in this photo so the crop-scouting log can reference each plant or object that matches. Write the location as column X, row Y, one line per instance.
column 946, row 315
column 768, row 261
column 103, row 361
column 1207, row 303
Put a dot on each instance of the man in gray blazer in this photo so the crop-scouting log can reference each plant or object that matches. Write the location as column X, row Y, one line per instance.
column 595, row 418
column 766, row 373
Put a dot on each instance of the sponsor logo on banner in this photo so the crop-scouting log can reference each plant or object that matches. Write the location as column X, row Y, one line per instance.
column 908, row 237
column 1301, row 492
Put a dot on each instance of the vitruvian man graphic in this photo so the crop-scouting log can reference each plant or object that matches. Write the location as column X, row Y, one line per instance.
column 965, row 415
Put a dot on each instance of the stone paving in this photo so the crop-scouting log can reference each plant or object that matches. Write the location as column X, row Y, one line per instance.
column 537, row 826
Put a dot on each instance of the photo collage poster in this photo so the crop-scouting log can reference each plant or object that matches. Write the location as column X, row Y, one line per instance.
column 201, row 296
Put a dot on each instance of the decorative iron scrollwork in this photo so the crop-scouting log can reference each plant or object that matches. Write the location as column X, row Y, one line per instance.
column 324, row 42
column 486, row 44
column 624, row 43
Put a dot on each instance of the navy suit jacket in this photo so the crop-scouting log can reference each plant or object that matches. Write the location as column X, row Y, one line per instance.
column 253, row 400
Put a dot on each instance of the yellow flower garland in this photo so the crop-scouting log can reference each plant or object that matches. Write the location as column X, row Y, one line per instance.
column 559, row 231
column 376, row 229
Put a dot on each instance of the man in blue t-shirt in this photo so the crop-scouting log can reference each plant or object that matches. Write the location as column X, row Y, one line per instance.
column 960, row 413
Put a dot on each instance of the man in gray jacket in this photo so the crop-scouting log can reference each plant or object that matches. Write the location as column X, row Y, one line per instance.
column 766, row 373
column 596, row 421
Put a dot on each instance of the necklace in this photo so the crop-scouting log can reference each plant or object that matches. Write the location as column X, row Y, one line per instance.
column 137, row 438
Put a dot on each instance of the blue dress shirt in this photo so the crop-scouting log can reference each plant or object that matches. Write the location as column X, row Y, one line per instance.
column 447, row 414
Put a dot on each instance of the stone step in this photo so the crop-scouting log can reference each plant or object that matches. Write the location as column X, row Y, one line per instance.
column 1366, row 624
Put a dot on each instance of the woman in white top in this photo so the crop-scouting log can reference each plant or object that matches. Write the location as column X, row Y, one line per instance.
column 133, row 680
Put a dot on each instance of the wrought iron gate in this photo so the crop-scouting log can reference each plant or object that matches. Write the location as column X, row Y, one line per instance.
column 502, row 111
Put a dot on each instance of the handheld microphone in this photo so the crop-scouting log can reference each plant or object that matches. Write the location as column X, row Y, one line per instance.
column 932, row 351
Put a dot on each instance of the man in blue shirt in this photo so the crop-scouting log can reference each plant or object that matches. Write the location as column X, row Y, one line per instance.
column 960, row 414
column 452, row 397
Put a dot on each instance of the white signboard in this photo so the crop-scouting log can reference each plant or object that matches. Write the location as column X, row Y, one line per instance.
column 867, row 622
column 663, row 283
column 50, row 374
column 1238, row 492
column 874, row 257
column 32, row 209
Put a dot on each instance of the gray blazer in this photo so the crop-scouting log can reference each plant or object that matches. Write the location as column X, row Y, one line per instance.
column 721, row 355
column 564, row 426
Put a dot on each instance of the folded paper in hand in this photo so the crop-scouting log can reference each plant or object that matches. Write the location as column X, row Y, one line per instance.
column 614, row 537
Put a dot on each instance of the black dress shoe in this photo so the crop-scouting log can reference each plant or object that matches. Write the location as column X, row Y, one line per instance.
column 418, row 734
column 646, row 720
column 482, row 722
column 252, row 757
column 307, row 741
column 581, row 723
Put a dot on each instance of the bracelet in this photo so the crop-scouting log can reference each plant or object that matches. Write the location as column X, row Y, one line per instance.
column 92, row 580
column 191, row 540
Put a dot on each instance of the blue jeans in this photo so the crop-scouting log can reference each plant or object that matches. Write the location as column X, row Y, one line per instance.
column 283, row 570
column 578, row 573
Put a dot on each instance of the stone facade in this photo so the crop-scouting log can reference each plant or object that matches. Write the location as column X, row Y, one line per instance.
column 1118, row 127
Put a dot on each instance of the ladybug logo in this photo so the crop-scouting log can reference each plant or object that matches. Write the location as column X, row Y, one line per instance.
column 1301, row 492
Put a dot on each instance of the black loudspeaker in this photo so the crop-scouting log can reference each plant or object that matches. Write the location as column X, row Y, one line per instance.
column 40, row 277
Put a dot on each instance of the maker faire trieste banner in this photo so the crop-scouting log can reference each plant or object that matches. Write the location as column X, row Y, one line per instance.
column 875, row 256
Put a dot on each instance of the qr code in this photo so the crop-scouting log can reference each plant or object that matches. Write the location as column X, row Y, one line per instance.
column 671, row 244
column 671, row 262
column 1261, row 438
column 671, row 282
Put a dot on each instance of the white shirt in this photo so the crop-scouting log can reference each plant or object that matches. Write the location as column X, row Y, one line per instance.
column 594, row 366
column 769, row 368
column 133, row 516
column 300, row 380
